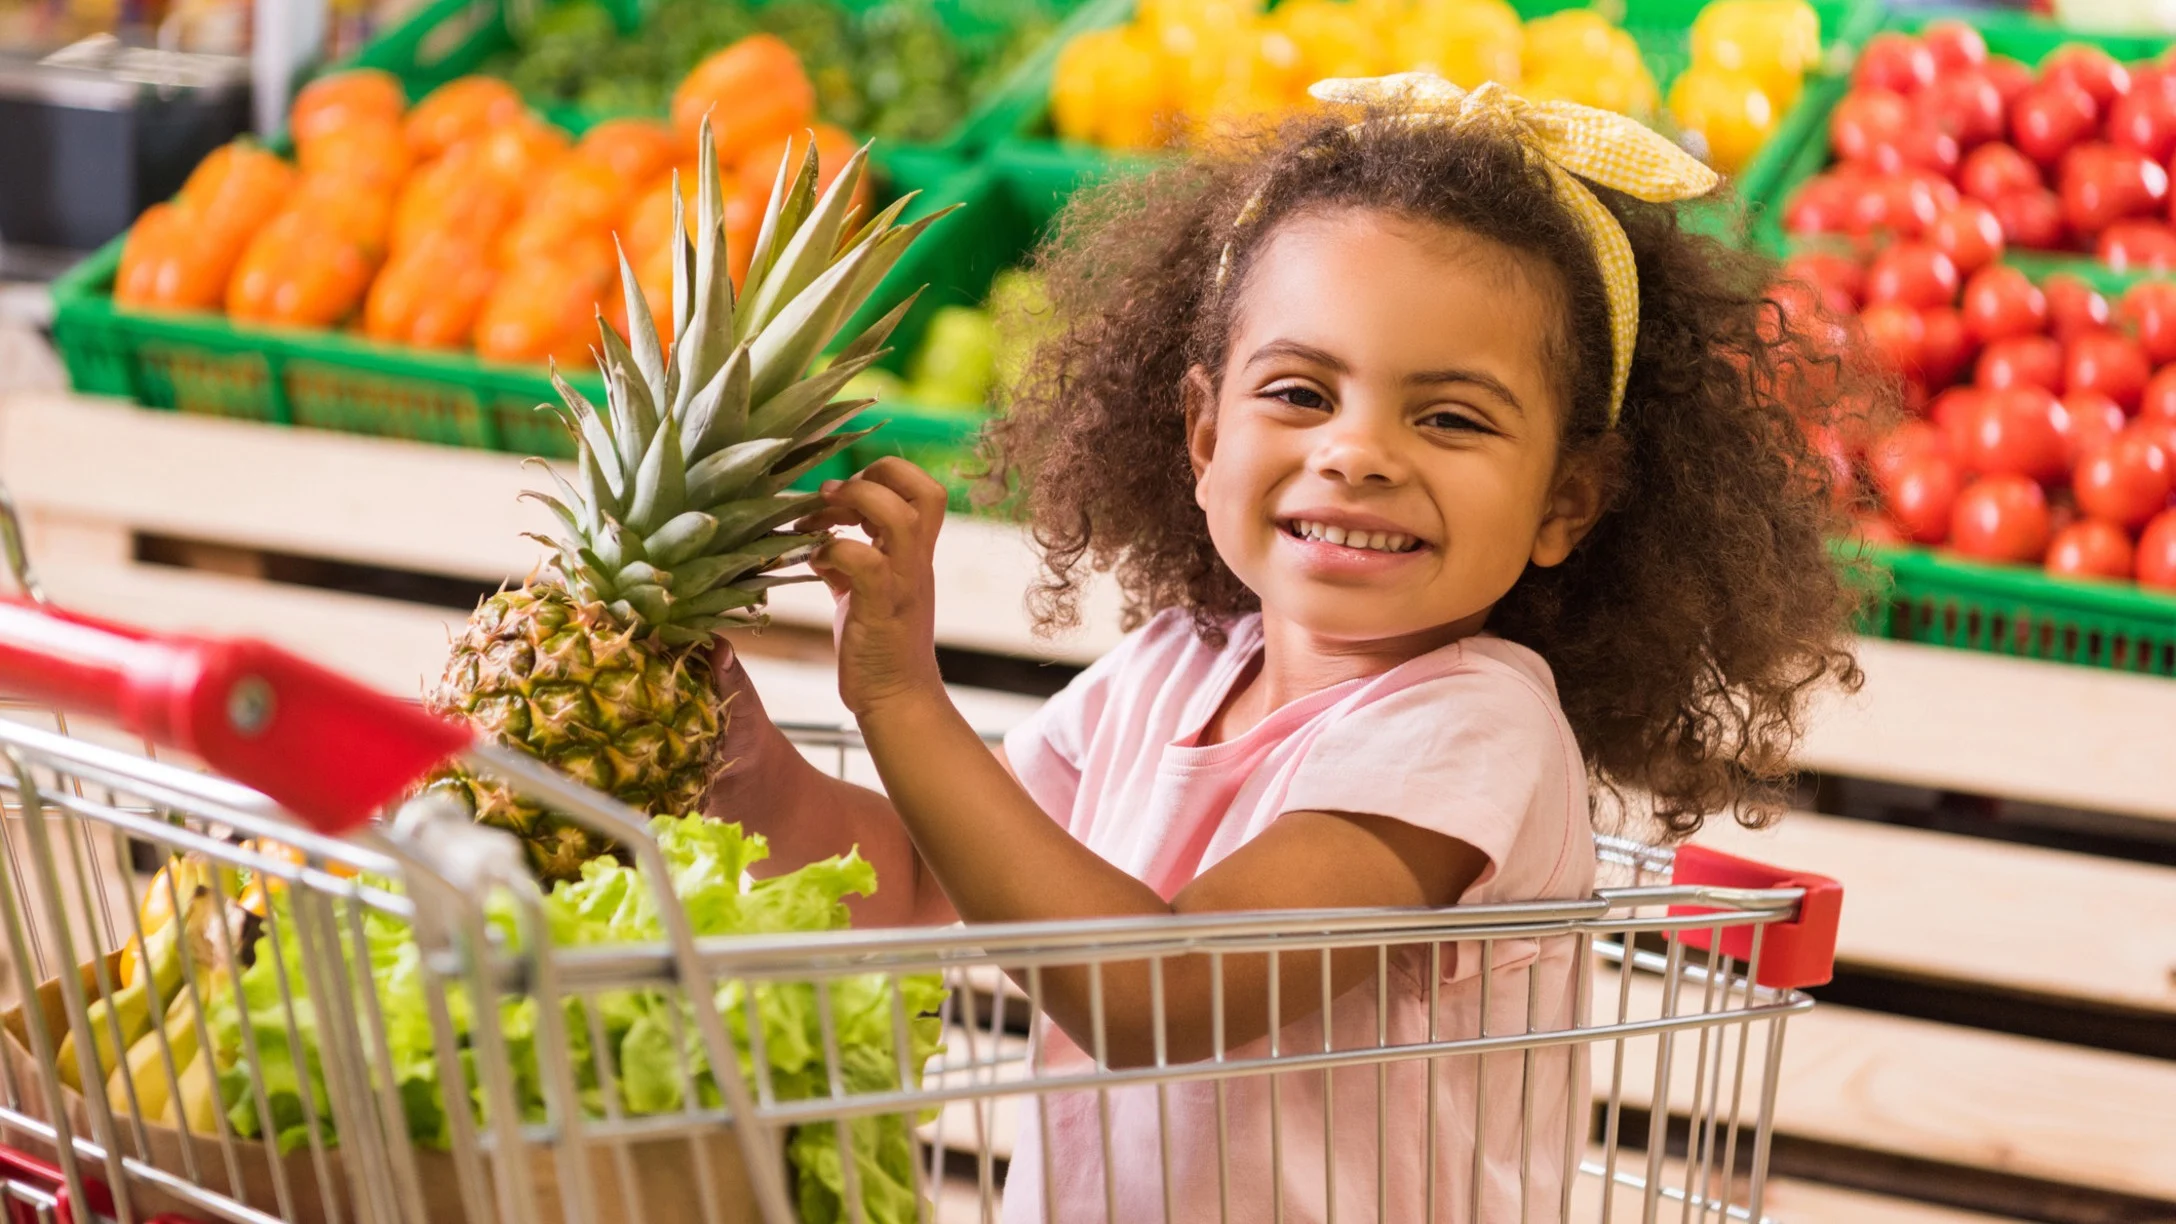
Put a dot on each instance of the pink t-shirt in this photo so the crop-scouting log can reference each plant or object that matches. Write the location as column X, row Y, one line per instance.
column 1467, row 740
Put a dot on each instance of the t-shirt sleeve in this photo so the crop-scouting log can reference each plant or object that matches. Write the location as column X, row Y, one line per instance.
column 1471, row 755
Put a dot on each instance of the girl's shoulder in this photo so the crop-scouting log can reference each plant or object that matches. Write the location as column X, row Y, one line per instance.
column 1481, row 664
column 1170, row 643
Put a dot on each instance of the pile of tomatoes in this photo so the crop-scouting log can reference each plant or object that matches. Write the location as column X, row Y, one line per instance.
column 2043, row 425
column 2073, row 157
column 466, row 220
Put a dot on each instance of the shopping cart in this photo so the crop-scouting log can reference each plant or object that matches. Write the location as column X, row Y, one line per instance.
column 279, row 780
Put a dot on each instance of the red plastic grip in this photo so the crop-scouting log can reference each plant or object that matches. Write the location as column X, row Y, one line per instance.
column 22, row 1167
column 321, row 745
column 1793, row 954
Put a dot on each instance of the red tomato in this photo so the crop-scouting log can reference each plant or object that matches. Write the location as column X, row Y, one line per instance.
column 2110, row 363
column 2088, row 421
column 2158, row 430
column 1897, row 335
column 1823, row 204
column 2102, row 184
column 2157, row 552
column 2030, row 219
column 1894, row 61
column 2049, row 118
column 2090, row 548
column 2090, row 69
column 2000, row 302
column 1903, row 204
column 2159, row 400
column 1965, row 105
column 1952, row 407
column 2126, row 481
column 2138, row 246
column 1994, row 170
column 1970, row 234
column 1954, row 44
column 2021, row 361
column 2001, row 518
column 1921, row 496
column 1894, row 450
column 2150, row 308
column 2073, row 306
column 2013, row 432
column 1913, row 273
column 2010, row 77
column 1839, row 278
column 1877, row 529
column 2145, row 120
column 1946, row 346
column 1865, row 120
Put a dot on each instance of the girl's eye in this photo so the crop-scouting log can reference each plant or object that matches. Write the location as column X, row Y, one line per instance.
column 1455, row 421
column 1298, row 396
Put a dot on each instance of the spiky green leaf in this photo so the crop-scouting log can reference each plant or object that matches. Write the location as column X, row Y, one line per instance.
column 783, row 414
column 591, row 432
column 810, row 250
column 647, row 349
column 661, row 487
column 724, row 475
column 652, row 606
column 559, row 510
column 793, row 193
column 749, row 517
column 622, row 372
column 682, row 536
column 798, row 461
column 783, row 350
column 718, row 415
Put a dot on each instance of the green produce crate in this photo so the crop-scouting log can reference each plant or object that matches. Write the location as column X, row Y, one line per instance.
column 1943, row 600
column 1661, row 27
column 206, row 364
column 445, row 39
column 2020, row 36
column 1002, row 214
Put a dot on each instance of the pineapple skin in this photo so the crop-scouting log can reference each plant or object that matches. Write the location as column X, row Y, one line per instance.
column 607, row 705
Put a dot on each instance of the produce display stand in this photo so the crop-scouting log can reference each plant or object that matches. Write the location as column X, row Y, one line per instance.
column 92, row 478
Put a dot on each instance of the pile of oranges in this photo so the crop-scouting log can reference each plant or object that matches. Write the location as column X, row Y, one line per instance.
column 467, row 220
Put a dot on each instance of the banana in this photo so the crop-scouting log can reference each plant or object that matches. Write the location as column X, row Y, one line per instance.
column 131, row 1006
column 146, row 1066
column 199, row 1097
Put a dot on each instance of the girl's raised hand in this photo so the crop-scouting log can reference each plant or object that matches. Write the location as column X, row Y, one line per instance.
column 884, row 625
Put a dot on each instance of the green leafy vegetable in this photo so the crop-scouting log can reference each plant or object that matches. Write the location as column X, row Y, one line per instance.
column 653, row 1044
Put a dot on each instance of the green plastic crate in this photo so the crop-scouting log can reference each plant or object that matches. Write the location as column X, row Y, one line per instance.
column 445, row 39
column 1943, row 600
column 2017, row 35
column 209, row 365
column 1001, row 215
column 1661, row 27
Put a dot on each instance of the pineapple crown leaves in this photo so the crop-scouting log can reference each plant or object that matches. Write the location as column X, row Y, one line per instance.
column 675, row 512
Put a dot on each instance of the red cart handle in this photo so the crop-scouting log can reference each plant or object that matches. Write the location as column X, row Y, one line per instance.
column 319, row 744
column 1793, row 954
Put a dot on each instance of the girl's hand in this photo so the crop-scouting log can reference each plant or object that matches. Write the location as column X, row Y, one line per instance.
column 884, row 625
column 757, row 760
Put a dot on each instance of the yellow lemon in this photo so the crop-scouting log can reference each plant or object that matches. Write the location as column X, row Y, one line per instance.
column 1574, row 36
column 1333, row 40
column 1749, row 39
column 1465, row 44
column 1729, row 110
column 1627, row 93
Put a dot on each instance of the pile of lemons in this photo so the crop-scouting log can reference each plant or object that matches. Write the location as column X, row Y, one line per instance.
column 1185, row 70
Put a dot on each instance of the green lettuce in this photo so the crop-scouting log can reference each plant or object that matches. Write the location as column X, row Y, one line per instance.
column 651, row 1035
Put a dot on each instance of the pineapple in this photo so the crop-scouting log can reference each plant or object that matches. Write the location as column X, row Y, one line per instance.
column 674, row 522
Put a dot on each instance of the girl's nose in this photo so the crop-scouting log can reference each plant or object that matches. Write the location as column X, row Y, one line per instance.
column 1359, row 445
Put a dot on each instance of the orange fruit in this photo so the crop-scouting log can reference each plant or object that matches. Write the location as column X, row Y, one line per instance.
column 655, row 277
column 637, row 150
column 337, row 100
column 429, row 296
column 359, row 212
column 235, row 190
column 166, row 262
column 298, row 271
column 460, row 110
column 372, row 153
column 759, row 170
column 543, row 309
column 755, row 91
column 520, row 152
column 454, row 194
column 645, row 228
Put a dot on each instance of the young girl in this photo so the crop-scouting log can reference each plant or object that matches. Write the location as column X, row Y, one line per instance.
column 1441, row 476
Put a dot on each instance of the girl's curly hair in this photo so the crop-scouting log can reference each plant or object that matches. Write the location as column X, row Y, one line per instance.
column 1689, row 627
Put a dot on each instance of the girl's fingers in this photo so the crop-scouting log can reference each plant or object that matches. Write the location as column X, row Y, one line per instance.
column 888, row 518
column 855, row 565
column 831, row 516
column 913, row 485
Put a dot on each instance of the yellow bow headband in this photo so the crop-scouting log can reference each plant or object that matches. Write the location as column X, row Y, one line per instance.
column 1597, row 145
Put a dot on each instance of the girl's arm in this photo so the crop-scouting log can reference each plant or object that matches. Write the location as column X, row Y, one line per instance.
column 806, row 814
column 1000, row 858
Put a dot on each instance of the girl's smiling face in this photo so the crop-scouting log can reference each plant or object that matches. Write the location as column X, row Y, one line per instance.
column 1380, row 457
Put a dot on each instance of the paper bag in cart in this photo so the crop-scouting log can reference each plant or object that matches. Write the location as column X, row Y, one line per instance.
column 665, row 1170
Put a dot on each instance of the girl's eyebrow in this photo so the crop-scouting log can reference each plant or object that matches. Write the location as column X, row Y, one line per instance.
column 1454, row 374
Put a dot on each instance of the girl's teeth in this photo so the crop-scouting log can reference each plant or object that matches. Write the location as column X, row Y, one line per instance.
column 1377, row 541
